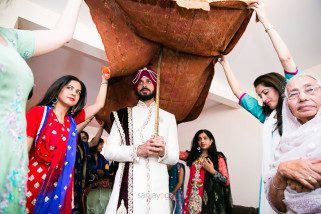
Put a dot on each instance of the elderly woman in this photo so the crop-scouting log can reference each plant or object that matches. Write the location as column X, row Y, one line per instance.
column 293, row 183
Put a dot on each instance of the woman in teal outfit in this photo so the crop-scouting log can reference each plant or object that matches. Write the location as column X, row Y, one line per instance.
column 16, row 81
column 270, row 88
column 176, row 187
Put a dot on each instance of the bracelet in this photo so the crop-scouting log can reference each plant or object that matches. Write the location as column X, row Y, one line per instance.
column 275, row 187
column 104, row 83
column 269, row 28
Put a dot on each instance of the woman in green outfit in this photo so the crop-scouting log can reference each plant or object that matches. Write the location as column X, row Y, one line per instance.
column 16, row 81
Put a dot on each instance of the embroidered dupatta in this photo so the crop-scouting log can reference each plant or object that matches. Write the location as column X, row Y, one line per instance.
column 57, row 186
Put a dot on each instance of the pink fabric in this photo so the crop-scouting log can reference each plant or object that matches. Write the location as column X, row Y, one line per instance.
column 241, row 97
column 222, row 168
column 295, row 73
column 145, row 72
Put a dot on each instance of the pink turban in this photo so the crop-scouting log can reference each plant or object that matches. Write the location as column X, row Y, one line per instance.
column 145, row 72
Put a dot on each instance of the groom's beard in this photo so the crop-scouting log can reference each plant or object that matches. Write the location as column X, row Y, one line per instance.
column 145, row 97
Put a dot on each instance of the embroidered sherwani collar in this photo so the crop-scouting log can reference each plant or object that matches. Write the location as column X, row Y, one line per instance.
column 141, row 104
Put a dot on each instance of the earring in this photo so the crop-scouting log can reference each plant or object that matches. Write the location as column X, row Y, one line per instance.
column 199, row 149
column 54, row 101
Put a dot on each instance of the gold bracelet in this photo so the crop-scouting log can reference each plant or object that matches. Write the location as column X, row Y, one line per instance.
column 269, row 28
column 275, row 187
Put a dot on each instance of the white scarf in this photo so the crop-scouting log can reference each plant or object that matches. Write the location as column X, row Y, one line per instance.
column 299, row 141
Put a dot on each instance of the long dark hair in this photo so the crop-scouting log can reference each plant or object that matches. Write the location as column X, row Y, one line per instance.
column 53, row 91
column 195, row 153
column 278, row 82
column 93, row 150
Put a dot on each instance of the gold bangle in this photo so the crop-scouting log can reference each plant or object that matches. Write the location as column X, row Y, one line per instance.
column 275, row 187
column 269, row 28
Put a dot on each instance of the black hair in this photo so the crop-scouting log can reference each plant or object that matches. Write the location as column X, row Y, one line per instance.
column 93, row 149
column 53, row 91
column 196, row 152
column 278, row 82
column 85, row 133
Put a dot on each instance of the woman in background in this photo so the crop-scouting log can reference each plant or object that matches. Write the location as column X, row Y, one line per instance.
column 208, row 189
column 176, row 187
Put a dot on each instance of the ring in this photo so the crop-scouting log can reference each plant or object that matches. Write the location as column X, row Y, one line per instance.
column 309, row 178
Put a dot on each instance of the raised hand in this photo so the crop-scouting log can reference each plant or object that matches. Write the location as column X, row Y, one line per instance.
column 260, row 11
column 106, row 72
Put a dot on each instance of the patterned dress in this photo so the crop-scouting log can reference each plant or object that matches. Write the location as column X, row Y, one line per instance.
column 52, row 142
column 16, row 81
column 173, row 180
column 207, row 193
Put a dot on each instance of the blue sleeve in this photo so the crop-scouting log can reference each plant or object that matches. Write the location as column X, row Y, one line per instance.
column 288, row 75
column 251, row 105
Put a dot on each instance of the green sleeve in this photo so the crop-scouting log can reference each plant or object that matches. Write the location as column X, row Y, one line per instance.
column 251, row 105
column 26, row 43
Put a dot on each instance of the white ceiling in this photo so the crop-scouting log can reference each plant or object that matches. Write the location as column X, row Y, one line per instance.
column 298, row 22
column 58, row 6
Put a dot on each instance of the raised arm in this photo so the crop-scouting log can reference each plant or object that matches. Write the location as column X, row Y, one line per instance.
column 100, row 99
column 232, row 81
column 277, row 42
column 95, row 140
column 83, row 125
column 50, row 40
column 246, row 101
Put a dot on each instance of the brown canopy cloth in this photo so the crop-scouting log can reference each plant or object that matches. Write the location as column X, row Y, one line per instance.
column 133, row 31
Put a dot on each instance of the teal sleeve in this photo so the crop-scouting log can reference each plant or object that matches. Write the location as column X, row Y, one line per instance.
column 288, row 75
column 251, row 105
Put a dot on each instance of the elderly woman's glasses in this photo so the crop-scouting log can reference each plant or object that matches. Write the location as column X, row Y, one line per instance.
column 309, row 90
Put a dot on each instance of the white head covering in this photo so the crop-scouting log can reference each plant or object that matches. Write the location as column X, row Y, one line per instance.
column 299, row 141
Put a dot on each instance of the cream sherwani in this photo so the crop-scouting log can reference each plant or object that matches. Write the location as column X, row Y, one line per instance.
column 150, row 176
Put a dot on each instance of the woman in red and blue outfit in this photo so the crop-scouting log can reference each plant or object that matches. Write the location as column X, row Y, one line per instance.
column 51, row 131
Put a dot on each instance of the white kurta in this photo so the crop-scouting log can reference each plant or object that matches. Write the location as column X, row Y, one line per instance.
column 158, row 179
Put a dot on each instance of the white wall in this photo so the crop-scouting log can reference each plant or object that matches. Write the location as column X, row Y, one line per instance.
column 238, row 136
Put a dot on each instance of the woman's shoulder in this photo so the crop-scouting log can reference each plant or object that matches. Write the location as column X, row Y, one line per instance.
column 220, row 155
column 36, row 110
